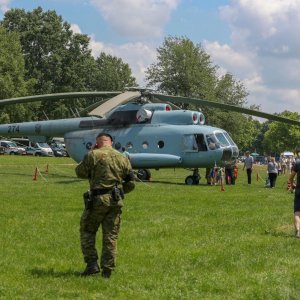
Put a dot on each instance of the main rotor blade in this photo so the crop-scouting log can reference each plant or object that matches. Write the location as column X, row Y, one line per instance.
column 110, row 104
column 57, row 96
column 248, row 111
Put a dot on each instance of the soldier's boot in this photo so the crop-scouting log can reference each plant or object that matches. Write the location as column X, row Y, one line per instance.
column 91, row 269
column 106, row 273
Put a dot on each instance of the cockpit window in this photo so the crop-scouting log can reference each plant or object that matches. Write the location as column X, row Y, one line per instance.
column 222, row 139
column 229, row 139
column 212, row 142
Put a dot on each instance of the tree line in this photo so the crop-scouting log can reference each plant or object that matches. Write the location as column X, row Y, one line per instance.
column 40, row 54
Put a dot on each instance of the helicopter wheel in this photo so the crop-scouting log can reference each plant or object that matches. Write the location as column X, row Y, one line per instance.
column 143, row 174
column 193, row 179
column 189, row 180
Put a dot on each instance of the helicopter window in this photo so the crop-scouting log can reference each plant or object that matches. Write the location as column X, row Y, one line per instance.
column 118, row 146
column 88, row 145
column 190, row 143
column 229, row 139
column 200, row 142
column 160, row 144
column 212, row 142
column 145, row 145
column 220, row 136
column 129, row 145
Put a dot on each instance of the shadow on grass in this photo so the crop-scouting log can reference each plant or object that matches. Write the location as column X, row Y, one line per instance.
column 68, row 181
column 174, row 183
column 279, row 234
column 39, row 272
column 27, row 174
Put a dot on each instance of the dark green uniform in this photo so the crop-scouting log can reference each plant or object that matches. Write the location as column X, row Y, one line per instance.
column 104, row 167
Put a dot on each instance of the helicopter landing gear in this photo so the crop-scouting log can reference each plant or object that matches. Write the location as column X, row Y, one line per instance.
column 143, row 174
column 193, row 179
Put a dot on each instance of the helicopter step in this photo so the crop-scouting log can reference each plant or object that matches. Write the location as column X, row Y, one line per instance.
column 143, row 174
column 193, row 179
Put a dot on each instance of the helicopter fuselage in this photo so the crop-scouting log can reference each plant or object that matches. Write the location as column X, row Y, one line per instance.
column 154, row 135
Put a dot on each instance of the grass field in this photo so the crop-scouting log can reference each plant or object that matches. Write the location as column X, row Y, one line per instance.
column 176, row 241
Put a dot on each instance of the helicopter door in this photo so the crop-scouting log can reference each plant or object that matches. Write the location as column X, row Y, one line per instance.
column 200, row 142
column 194, row 143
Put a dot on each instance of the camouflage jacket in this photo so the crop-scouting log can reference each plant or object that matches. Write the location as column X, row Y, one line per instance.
column 104, row 168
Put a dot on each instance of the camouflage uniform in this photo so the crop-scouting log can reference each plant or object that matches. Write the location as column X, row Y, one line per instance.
column 104, row 168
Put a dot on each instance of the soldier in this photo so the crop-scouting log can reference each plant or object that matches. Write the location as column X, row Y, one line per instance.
column 110, row 176
column 296, row 171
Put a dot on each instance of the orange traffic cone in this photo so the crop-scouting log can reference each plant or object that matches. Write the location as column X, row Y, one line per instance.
column 35, row 174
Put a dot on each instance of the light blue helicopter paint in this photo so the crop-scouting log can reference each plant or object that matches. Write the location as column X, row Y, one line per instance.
column 165, row 140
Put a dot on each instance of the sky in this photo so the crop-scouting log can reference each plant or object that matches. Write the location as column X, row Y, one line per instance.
column 255, row 40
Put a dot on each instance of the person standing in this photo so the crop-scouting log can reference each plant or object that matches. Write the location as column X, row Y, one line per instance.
column 283, row 164
column 110, row 175
column 125, row 152
column 229, row 176
column 296, row 171
column 272, row 171
column 248, row 164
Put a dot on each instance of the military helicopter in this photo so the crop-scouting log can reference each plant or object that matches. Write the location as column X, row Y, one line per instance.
column 144, row 122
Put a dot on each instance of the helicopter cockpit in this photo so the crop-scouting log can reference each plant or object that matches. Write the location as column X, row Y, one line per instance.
column 211, row 142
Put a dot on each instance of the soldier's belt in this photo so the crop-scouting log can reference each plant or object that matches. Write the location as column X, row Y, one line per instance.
column 97, row 192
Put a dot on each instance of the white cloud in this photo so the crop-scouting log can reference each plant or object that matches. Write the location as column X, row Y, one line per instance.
column 4, row 5
column 136, row 18
column 264, row 52
column 75, row 28
column 269, row 27
column 227, row 58
column 138, row 55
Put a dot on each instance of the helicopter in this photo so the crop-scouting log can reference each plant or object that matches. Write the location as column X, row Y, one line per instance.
column 148, row 125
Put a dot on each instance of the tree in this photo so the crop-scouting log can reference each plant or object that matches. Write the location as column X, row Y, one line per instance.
column 12, row 72
column 60, row 60
column 12, row 83
column 185, row 69
column 182, row 68
column 112, row 74
column 280, row 136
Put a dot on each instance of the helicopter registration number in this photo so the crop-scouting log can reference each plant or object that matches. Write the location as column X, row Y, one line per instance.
column 13, row 128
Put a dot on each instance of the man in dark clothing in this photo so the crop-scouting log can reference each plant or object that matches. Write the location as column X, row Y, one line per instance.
column 296, row 171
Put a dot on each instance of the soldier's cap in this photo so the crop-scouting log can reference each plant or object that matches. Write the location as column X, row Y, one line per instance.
column 104, row 134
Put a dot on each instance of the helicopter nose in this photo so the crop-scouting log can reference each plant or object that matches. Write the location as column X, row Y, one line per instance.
column 227, row 154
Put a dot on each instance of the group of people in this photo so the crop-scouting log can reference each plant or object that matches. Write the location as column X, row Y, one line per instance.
column 292, row 165
column 110, row 176
column 221, row 175
column 285, row 164
column 272, row 169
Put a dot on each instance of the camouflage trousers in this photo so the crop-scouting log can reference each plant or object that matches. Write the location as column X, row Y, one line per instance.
column 109, row 217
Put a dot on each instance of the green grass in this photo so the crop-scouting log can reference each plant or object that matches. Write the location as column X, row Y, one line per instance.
column 176, row 241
